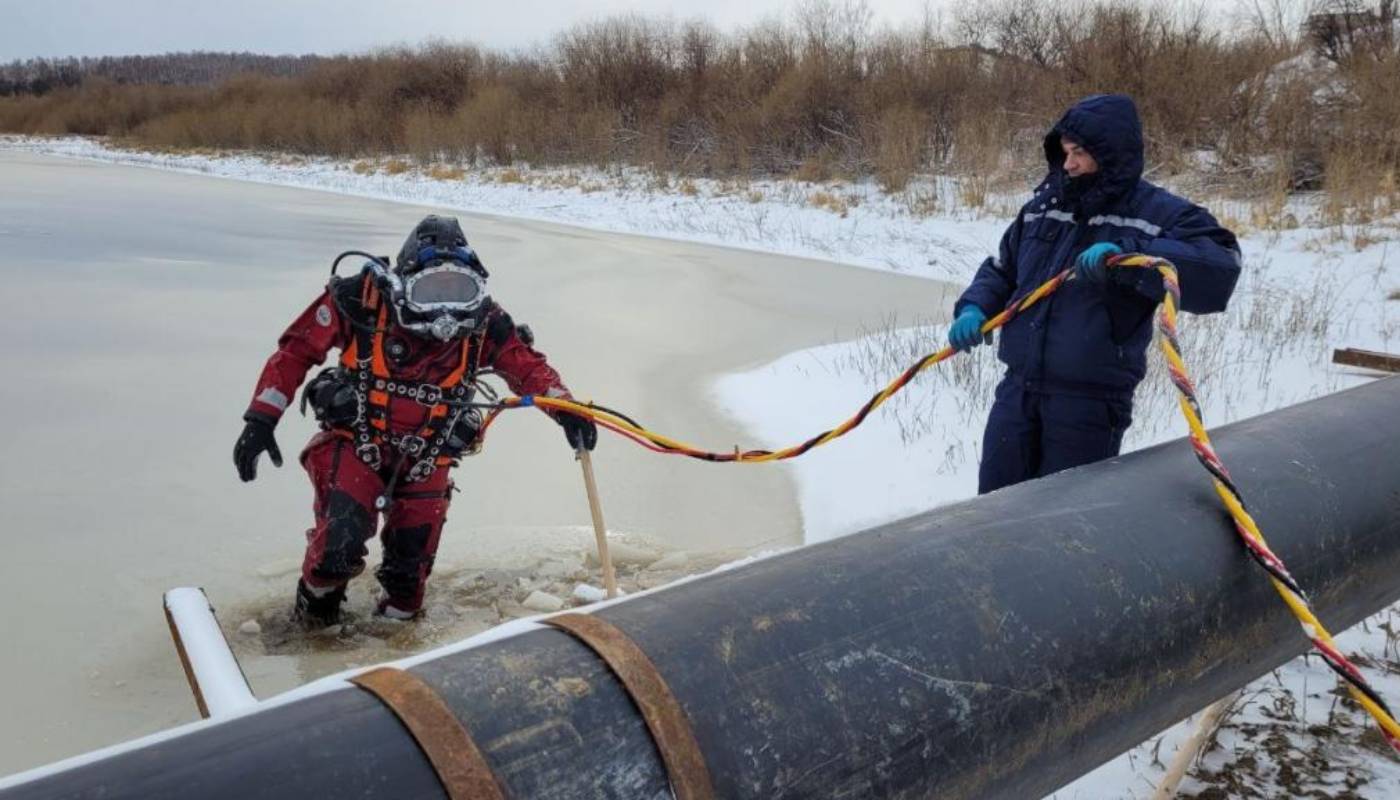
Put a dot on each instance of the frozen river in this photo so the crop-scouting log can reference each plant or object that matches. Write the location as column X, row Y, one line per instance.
column 141, row 305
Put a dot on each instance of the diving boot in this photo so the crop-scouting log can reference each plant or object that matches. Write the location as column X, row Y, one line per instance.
column 318, row 608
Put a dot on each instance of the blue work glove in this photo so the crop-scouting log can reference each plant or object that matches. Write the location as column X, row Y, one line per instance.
column 966, row 332
column 1092, row 264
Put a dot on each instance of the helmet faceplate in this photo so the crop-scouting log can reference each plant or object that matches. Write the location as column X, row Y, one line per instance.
column 438, row 283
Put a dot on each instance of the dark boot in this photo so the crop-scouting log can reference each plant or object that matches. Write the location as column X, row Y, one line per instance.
column 317, row 608
column 408, row 559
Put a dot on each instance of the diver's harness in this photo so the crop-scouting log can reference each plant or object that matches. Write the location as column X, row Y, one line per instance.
column 364, row 378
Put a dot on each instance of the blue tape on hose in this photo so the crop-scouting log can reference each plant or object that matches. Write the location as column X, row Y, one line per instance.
column 527, row 400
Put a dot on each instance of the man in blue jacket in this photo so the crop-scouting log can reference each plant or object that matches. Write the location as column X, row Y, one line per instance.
column 1074, row 359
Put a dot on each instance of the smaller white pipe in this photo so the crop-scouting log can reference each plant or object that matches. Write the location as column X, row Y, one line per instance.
column 338, row 681
column 218, row 683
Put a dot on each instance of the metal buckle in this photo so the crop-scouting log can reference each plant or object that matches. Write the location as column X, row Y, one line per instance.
column 368, row 453
column 427, row 394
column 421, row 471
column 412, row 445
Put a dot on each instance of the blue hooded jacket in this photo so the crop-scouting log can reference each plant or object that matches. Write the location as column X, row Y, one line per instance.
column 1092, row 339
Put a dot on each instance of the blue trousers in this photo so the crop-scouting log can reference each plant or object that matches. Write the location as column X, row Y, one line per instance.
column 1035, row 433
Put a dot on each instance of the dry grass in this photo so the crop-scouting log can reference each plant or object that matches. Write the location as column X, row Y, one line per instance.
column 835, row 203
column 552, row 180
column 1357, row 193
column 920, row 201
column 822, row 96
column 901, row 147
column 443, row 172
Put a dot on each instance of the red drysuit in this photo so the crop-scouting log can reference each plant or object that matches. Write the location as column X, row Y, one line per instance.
column 346, row 479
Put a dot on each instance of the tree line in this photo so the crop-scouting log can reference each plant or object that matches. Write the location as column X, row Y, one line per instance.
column 1271, row 99
column 39, row 76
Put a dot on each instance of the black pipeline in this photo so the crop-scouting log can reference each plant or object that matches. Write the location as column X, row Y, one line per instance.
column 999, row 647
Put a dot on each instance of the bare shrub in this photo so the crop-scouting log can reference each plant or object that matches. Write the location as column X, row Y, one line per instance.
column 496, row 124
column 430, row 136
column 820, row 95
column 901, row 147
column 830, row 201
column 441, row 172
column 977, row 159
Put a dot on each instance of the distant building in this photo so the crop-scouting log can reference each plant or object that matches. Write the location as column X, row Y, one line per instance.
column 1340, row 34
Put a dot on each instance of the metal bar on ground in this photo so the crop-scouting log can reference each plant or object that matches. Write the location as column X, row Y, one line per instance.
column 994, row 648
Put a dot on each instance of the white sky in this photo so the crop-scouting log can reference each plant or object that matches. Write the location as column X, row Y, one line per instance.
column 39, row 28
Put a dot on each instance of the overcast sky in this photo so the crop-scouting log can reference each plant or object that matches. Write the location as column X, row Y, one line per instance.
column 48, row 28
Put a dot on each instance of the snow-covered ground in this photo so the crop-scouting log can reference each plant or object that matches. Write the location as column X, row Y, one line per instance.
column 1303, row 292
column 1307, row 287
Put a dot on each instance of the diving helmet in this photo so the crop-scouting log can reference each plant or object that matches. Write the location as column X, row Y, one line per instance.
column 440, row 289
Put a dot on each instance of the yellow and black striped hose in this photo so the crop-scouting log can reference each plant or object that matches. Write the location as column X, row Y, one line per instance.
column 1229, row 493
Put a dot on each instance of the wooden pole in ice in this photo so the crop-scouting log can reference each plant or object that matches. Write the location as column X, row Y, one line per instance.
column 600, row 530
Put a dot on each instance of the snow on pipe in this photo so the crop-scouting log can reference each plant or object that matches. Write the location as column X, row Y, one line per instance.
column 995, row 648
column 215, row 677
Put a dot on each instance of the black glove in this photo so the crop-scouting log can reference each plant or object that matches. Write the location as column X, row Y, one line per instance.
column 257, row 438
column 580, row 431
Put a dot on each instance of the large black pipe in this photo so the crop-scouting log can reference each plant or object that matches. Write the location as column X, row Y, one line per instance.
column 998, row 647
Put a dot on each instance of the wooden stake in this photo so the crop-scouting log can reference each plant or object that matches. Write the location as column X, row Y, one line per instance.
column 1191, row 748
column 600, row 530
column 1351, row 356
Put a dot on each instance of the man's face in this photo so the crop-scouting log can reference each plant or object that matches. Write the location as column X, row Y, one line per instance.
column 1077, row 160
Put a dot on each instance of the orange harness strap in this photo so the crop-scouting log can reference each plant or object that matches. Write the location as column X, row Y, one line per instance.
column 375, row 385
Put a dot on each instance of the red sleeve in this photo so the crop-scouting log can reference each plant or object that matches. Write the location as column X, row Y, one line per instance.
column 304, row 345
column 525, row 369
